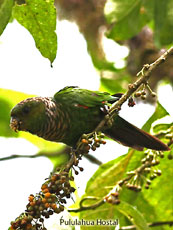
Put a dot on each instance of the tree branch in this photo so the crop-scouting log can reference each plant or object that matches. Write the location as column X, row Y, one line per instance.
column 65, row 150
column 144, row 74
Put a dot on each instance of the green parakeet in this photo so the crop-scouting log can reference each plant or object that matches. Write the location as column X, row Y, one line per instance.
column 72, row 112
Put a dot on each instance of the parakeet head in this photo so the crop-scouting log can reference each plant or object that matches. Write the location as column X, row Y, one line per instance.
column 28, row 115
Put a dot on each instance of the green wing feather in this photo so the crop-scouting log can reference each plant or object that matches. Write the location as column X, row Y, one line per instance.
column 84, row 97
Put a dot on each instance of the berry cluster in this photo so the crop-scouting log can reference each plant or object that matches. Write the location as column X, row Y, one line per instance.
column 49, row 200
column 153, row 175
column 75, row 165
column 91, row 142
column 113, row 196
column 143, row 94
column 22, row 222
column 152, row 157
column 135, row 181
column 152, row 160
column 131, row 102
column 145, row 173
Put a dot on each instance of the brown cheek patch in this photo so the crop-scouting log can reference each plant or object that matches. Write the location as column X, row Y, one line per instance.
column 14, row 125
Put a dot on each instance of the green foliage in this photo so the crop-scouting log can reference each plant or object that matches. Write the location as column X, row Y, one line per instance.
column 115, row 84
column 159, row 113
column 128, row 18
column 125, row 19
column 135, row 207
column 5, row 119
column 8, row 99
column 39, row 18
column 5, row 13
column 163, row 18
column 162, row 127
column 133, row 214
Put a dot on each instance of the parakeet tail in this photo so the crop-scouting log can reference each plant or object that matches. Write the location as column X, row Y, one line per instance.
column 131, row 136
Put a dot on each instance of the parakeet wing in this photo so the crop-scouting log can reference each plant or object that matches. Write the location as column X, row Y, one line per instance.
column 83, row 97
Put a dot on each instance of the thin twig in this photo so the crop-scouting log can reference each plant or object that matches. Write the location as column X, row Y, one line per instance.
column 65, row 150
column 19, row 156
column 88, row 207
column 93, row 159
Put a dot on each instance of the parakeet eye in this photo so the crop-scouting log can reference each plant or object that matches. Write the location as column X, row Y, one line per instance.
column 26, row 109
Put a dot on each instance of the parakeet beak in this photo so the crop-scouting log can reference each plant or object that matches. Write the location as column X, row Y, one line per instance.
column 15, row 124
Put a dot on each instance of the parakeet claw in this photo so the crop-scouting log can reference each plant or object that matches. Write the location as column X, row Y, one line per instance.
column 110, row 122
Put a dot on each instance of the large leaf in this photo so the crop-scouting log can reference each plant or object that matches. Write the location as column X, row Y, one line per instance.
column 158, row 114
column 99, row 185
column 162, row 127
column 39, row 18
column 115, row 84
column 8, row 99
column 127, row 17
column 133, row 215
column 107, row 175
column 5, row 119
column 163, row 20
column 5, row 13
column 160, row 192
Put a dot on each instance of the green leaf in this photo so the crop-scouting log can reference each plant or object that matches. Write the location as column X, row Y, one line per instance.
column 39, row 18
column 115, row 83
column 5, row 13
column 127, row 17
column 162, row 127
column 161, row 191
column 8, row 99
column 163, row 20
column 107, row 175
column 5, row 119
column 133, row 215
column 100, row 184
column 13, row 97
column 159, row 113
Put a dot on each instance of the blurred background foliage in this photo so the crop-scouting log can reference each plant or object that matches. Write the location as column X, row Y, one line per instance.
column 146, row 29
